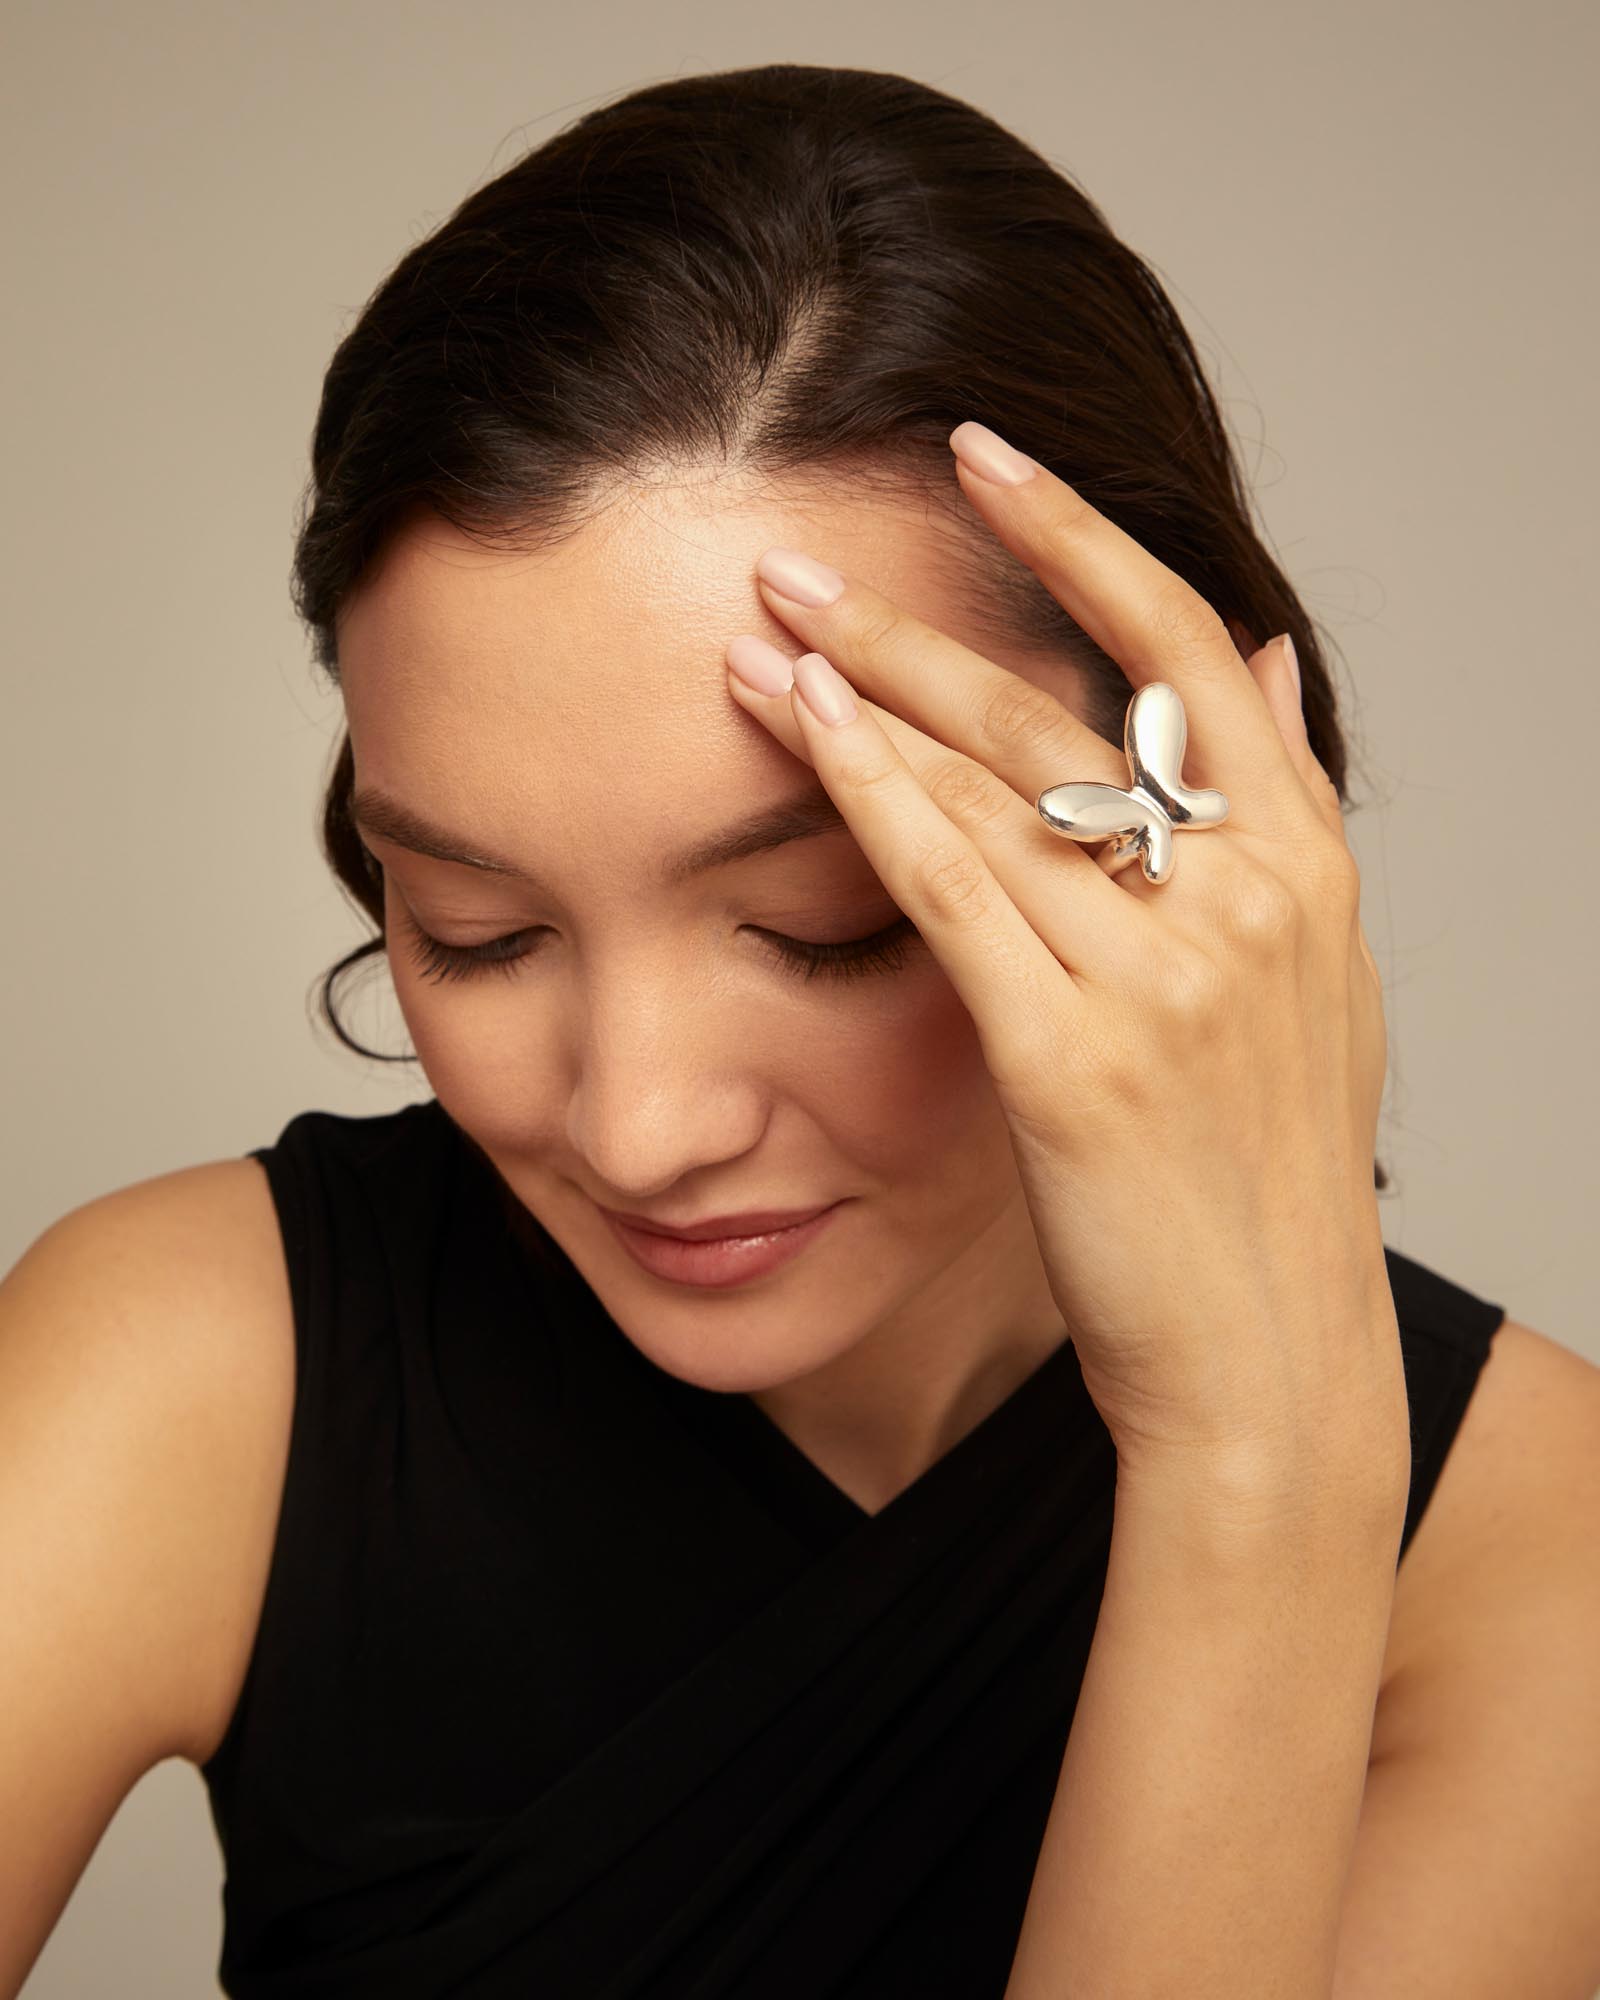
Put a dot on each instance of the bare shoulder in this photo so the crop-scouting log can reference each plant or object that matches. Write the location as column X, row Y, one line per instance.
column 1504, row 1565
column 147, row 1364
column 146, row 1387
column 1473, row 1868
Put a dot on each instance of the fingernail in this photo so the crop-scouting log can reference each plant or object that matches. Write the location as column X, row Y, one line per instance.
column 803, row 578
column 760, row 665
column 1293, row 658
column 825, row 692
column 982, row 452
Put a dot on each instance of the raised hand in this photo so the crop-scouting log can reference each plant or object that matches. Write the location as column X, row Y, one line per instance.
column 1191, row 1068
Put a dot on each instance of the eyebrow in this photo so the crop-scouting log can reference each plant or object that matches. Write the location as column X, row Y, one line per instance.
column 800, row 818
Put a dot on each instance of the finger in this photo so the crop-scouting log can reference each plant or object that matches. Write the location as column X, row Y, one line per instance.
column 1017, row 729
column 1150, row 621
column 995, row 817
column 1279, row 681
column 1013, row 913
column 1276, row 674
column 772, row 668
column 1012, row 837
column 1008, row 980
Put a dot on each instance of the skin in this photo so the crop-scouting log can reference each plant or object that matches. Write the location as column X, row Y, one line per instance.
column 569, row 709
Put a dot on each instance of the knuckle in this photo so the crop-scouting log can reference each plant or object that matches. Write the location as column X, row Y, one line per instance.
column 1259, row 909
column 1328, row 872
column 872, row 625
column 952, row 885
column 1182, row 623
column 1016, row 715
column 1194, row 990
column 1337, row 876
column 970, row 794
column 1071, row 516
column 875, row 775
column 1110, row 1072
column 1345, row 868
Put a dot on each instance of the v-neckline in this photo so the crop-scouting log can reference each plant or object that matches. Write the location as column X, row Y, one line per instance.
column 1049, row 1399
column 979, row 1441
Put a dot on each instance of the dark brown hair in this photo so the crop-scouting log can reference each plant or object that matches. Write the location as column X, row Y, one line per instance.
column 803, row 271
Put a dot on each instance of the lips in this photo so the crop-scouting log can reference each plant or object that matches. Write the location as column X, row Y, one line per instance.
column 720, row 1262
column 749, row 1222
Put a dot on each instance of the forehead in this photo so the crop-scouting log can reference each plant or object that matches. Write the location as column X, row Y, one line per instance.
column 586, row 678
column 628, row 615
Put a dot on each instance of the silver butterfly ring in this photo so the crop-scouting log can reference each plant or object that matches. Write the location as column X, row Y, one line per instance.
column 1141, row 821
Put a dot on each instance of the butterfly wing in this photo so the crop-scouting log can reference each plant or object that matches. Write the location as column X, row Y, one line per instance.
column 1155, row 736
column 1087, row 811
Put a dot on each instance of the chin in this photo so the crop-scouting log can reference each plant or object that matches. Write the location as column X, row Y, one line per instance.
column 731, row 1340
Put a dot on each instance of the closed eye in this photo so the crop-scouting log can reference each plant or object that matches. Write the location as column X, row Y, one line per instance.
column 883, row 951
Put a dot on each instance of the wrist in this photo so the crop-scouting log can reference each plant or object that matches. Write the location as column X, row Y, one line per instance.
column 1328, row 1448
column 1256, row 1510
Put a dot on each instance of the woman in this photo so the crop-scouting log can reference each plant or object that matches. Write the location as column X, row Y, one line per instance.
column 1041, row 1540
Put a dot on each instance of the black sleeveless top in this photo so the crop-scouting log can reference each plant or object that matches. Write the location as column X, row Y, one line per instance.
column 575, row 1681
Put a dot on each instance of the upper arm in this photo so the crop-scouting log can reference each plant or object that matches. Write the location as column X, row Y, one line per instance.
column 1478, row 1846
column 137, row 1420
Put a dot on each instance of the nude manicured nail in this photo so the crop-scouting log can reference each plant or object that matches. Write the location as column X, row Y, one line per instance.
column 982, row 452
column 824, row 690
column 799, row 576
column 1289, row 653
column 760, row 665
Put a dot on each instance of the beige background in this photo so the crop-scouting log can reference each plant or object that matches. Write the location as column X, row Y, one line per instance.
column 1378, row 222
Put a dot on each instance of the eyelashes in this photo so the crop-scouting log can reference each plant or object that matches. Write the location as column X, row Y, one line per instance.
column 884, row 951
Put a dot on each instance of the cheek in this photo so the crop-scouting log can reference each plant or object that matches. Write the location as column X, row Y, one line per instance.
column 480, row 1052
column 904, row 1090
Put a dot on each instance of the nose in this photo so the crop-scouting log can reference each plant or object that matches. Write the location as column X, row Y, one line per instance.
column 662, row 1090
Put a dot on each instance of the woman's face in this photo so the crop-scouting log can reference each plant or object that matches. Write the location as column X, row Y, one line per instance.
column 651, row 1049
